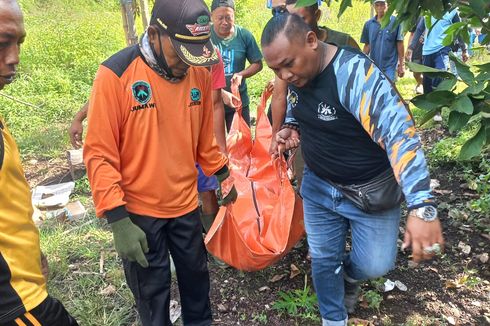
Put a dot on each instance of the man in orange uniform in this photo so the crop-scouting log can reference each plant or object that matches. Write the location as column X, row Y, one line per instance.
column 23, row 296
column 150, row 120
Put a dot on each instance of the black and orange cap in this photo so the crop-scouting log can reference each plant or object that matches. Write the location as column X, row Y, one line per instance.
column 188, row 24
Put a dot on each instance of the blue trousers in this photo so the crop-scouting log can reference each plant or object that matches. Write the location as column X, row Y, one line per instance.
column 438, row 60
column 328, row 218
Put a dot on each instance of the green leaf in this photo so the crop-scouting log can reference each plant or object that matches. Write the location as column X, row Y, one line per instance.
column 484, row 67
column 434, row 6
column 486, row 40
column 432, row 72
column 478, row 7
column 464, row 33
column 463, row 69
column 474, row 89
column 447, row 84
column 451, row 33
column 454, row 27
column 448, row 39
column 474, row 145
column 462, row 104
column 427, row 117
column 457, row 120
column 433, row 100
column 483, row 76
column 343, row 6
column 305, row 3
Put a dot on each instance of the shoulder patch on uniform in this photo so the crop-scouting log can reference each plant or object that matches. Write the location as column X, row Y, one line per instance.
column 120, row 61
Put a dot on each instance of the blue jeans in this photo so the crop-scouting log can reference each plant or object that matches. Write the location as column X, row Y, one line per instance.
column 390, row 72
column 438, row 60
column 328, row 217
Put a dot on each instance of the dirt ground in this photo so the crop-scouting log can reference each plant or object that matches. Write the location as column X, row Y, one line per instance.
column 452, row 290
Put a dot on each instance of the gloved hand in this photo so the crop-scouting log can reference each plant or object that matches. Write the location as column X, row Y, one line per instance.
column 130, row 241
column 226, row 190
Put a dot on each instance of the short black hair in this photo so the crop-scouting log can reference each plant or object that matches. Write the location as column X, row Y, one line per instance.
column 313, row 8
column 292, row 25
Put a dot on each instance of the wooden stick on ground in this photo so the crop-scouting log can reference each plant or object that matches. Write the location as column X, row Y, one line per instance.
column 20, row 101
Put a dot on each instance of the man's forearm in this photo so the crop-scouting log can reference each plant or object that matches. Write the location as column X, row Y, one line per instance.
column 366, row 49
column 82, row 114
column 278, row 104
column 401, row 52
column 251, row 70
column 218, row 120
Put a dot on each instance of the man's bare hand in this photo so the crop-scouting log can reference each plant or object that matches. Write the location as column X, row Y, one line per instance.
column 237, row 79
column 76, row 132
column 229, row 99
column 425, row 238
column 401, row 70
column 286, row 139
column 408, row 55
column 270, row 85
column 273, row 147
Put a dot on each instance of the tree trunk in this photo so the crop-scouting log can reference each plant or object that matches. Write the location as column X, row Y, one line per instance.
column 145, row 16
column 127, row 11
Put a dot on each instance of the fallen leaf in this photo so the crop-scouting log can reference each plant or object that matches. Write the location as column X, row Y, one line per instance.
column 175, row 311
column 110, row 289
column 359, row 322
column 264, row 288
column 442, row 192
column 473, row 185
column 457, row 283
column 222, row 307
column 435, row 270
column 456, row 214
column 277, row 278
column 486, row 236
column 483, row 258
column 443, row 205
column 467, row 249
column 476, row 303
column 294, row 271
column 434, row 183
column 450, row 320
column 401, row 286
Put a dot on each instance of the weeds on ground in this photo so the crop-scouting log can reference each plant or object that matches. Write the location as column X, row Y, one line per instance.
column 259, row 318
column 85, row 272
column 299, row 303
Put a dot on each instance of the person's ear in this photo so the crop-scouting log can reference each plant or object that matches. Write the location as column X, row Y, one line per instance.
column 318, row 15
column 311, row 40
column 152, row 34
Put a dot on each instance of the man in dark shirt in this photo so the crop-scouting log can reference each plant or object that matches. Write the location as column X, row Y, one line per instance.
column 354, row 127
column 311, row 15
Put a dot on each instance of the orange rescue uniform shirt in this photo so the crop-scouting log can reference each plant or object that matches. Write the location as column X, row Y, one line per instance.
column 145, row 135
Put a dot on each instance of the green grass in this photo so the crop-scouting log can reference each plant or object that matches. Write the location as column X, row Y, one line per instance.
column 57, row 68
column 74, row 254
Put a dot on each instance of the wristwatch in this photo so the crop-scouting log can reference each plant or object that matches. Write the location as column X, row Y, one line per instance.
column 426, row 213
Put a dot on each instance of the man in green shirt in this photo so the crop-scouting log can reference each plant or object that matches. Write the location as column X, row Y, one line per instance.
column 237, row 46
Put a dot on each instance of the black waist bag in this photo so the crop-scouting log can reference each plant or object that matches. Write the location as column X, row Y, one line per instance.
column 378, row 194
